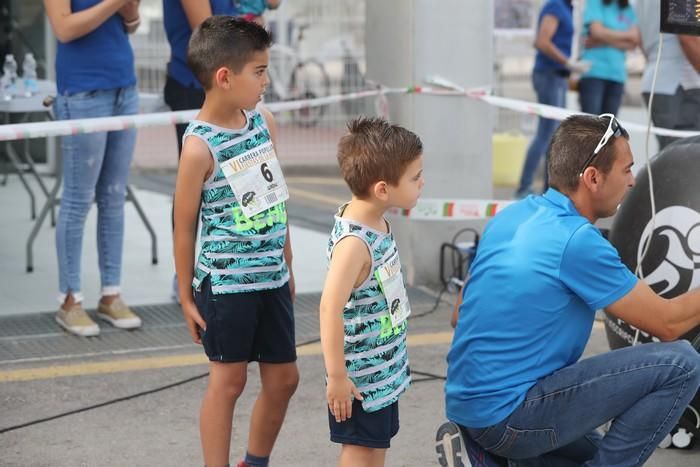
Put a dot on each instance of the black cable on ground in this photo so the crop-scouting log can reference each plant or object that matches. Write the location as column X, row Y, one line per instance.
column 119, row 399
column 429, row 377
column 102, row 404
column 435, row 306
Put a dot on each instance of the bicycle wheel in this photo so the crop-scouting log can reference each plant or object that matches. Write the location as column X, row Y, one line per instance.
column 309, row 80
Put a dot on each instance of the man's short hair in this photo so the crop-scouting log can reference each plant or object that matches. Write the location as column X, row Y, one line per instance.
column 572, row 144
column 224, row 41
column 375, row 150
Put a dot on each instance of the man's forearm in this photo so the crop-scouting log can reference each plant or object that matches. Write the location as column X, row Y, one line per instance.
column 686, row 313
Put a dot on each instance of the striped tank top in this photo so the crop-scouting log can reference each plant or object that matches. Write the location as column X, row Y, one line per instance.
column 376, row 356
column 240, row 254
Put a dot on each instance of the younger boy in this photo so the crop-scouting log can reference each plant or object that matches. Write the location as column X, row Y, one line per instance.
column 364, row 305
column 241, row 306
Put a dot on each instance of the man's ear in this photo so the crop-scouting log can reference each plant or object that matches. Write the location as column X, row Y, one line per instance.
column 380, row 190
column 592, row 178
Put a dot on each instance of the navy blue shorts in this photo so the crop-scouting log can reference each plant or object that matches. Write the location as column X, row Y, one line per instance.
column 368, row 429
column 247, row 326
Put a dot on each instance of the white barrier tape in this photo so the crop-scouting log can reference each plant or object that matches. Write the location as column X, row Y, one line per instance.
column 452, row 210
column 19, row 131
column 542, row 110
column 90, row 125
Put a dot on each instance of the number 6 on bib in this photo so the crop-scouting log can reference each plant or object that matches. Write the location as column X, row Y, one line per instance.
column 256, row 179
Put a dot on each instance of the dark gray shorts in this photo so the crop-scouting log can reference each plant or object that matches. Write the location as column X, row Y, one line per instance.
column 247, row 326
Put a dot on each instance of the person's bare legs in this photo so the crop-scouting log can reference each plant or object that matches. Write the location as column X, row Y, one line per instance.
column 360, row 456
column 279, row 381
column 226, row 383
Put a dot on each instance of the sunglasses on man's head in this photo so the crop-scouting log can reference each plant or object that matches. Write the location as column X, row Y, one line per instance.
column 614, row 129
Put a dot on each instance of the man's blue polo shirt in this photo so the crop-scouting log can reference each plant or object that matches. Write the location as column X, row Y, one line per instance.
column 540, row 273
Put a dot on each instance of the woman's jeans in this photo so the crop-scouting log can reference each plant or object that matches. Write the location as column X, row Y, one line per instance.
column 644, row 389
column 600, row 96
column 95, row 167
column 551, row 90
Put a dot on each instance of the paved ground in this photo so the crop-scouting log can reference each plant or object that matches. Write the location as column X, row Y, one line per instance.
column 144, row 428
column 132, row 398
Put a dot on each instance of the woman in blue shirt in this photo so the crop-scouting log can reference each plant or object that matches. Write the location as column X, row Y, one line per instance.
column 95, row 78
column 611, row 27
column 549, row 79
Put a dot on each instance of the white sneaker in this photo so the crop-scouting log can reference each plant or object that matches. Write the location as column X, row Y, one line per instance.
column 76, row 321
column 118, row 315
column 450, row 446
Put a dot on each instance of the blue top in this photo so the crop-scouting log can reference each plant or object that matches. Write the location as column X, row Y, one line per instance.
column 540, row 273
column 178, row 30
column 101, row 59
column 607, row 62
column 561, row 10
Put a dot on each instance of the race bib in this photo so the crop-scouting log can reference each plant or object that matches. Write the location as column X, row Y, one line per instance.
column 391, row 282
column 256, row 179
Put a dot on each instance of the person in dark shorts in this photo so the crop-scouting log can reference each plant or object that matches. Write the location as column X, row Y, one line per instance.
column 364, row 306
column 237, row 296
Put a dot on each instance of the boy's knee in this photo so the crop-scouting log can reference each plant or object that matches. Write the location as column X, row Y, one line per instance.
column 229, row 390
column 284, row 384
column 233, row 391
column 288, row 384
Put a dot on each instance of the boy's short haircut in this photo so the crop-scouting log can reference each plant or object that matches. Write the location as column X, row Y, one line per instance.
column 375, row 150
column 224, row 41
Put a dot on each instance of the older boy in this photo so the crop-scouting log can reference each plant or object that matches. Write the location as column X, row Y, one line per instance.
column 241, row 308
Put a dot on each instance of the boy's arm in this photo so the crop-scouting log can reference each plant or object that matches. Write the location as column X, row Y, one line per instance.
column 349, row 261
column 195, row 165
column 272, row 126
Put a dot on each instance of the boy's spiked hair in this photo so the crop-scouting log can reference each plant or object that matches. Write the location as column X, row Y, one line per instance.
column 375, row 150
column 224, row 41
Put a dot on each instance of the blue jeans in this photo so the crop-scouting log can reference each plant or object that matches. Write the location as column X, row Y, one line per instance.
column 644, row 389
column 95, row 167
column 551, row 90
column 599, row 96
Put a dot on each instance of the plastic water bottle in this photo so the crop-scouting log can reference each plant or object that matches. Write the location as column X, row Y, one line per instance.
column 9, row 78
column 31, row 86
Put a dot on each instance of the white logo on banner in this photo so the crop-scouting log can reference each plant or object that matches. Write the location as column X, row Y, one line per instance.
column 678, row 227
